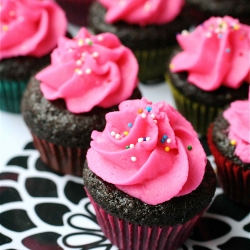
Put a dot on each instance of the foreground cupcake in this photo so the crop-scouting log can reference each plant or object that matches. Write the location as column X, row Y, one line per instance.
column 29, row 32
column 212, row 69
column 88, row 77
column 147, row 27
column 147, row 176
column 229, row 142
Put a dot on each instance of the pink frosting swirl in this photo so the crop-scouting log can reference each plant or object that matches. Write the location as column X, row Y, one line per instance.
column 238, row 116
column 216, row 53
column 88, row 71
column 30, row 27
column 142, row 12
column 149, row 151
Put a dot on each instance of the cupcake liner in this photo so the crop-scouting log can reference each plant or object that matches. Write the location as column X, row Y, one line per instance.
column 130, row 236
column 64, row 160
column 11, row 93
column 234, row 179
column 152, row 64
column 200, row 115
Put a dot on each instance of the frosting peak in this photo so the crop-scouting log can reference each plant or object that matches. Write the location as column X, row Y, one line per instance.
column 88, row 71
column 142, row 12
column 149, row 151
column 238, row 117
column 30, row 27
column 216, row 53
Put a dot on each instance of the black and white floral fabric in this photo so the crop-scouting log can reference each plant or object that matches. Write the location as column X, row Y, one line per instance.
column 43, row 210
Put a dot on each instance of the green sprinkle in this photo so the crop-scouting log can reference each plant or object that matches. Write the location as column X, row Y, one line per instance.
column 189, row 147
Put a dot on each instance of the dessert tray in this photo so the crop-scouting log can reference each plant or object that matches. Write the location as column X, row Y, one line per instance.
column 43, row 210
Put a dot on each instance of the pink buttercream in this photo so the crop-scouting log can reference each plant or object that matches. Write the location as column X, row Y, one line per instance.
column 142, row 12
column 216, row 53
column 143, row 151
column 238, row 116
column 30, row 27
column 90, row 71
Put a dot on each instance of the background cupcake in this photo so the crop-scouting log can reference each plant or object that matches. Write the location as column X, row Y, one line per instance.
column 76, row 10
column 229, row 142
column 147, row 176
column 88, row 77
column 147, row 27
column 210, row 70
column 29, row 32
column 201, row 10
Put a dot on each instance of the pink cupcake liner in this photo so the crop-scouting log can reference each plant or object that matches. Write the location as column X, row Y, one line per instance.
column 234, row 179
column 128, row 236
column 64, row 160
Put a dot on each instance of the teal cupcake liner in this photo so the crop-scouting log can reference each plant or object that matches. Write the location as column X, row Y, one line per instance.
column 11, row 93
column 198, row 114
column 152, row 64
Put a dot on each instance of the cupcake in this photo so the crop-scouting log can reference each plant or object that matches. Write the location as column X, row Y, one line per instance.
column 76, row 10
column 88, row 77
column 210, row 70
column 201, row 10
column 148, row 28
column 29, row 32
column 147, row 176
column 229, row 142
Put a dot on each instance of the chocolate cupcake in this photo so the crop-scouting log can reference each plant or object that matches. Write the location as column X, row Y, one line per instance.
column 88, row 77
column 201, row 10
column 27, row 39
column 210, row 70
column 229, row 142
column 147, row 176
column 148, row 30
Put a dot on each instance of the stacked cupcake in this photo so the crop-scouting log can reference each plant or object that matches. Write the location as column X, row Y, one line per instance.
column 88, row 77
column 147, row 176
column 29, row 32
column 148, row 28
column 210, row 70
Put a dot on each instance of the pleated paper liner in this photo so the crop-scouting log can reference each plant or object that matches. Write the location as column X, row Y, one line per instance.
column 234, row 179
column 200, row 115
column 152, row 64
column 11, row 93
column 64, row 160
column 130, row 236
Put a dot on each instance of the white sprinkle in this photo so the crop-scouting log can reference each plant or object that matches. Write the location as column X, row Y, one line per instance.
column 147, row 138
column 152, row 115
column 78, row 62
column 143, row 115
column 100, row 38
column 95, row 54
column 184, row 32
column 80, row 42
column 140, row 139
column 113, row 133
column 131, row 145
column 79, row 72
column 117, row 136
column 168, row 140
column 88, row 71
column 155, row 121
column 133, row 158
column 208, row 34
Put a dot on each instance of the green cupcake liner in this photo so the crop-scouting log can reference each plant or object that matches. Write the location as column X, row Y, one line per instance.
column 11, row 93
column 152, row 64
column 198, row 114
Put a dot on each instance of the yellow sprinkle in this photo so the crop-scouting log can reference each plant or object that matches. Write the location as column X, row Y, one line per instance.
column 236, row 26
column 167, row 149
column 80, row 42
column 233, row 142
column 171, row 65
column 125, row 132
column 5, row 27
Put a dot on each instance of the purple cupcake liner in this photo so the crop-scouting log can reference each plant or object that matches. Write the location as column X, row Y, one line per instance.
column 64, row 160
column 128, row 236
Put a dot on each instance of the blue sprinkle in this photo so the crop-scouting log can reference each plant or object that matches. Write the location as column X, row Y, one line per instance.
column 163, row 140
column 165, row 137
column 220, row 35
column 144, row 139
column 148, row 108
column 228, row 50
column 130, row 125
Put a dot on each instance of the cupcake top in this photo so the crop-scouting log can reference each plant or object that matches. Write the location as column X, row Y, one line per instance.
column 238, row 117
column 142, row 12
column 215, row 54
column 148, row 151
column 88, row 71
column 30, row 27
